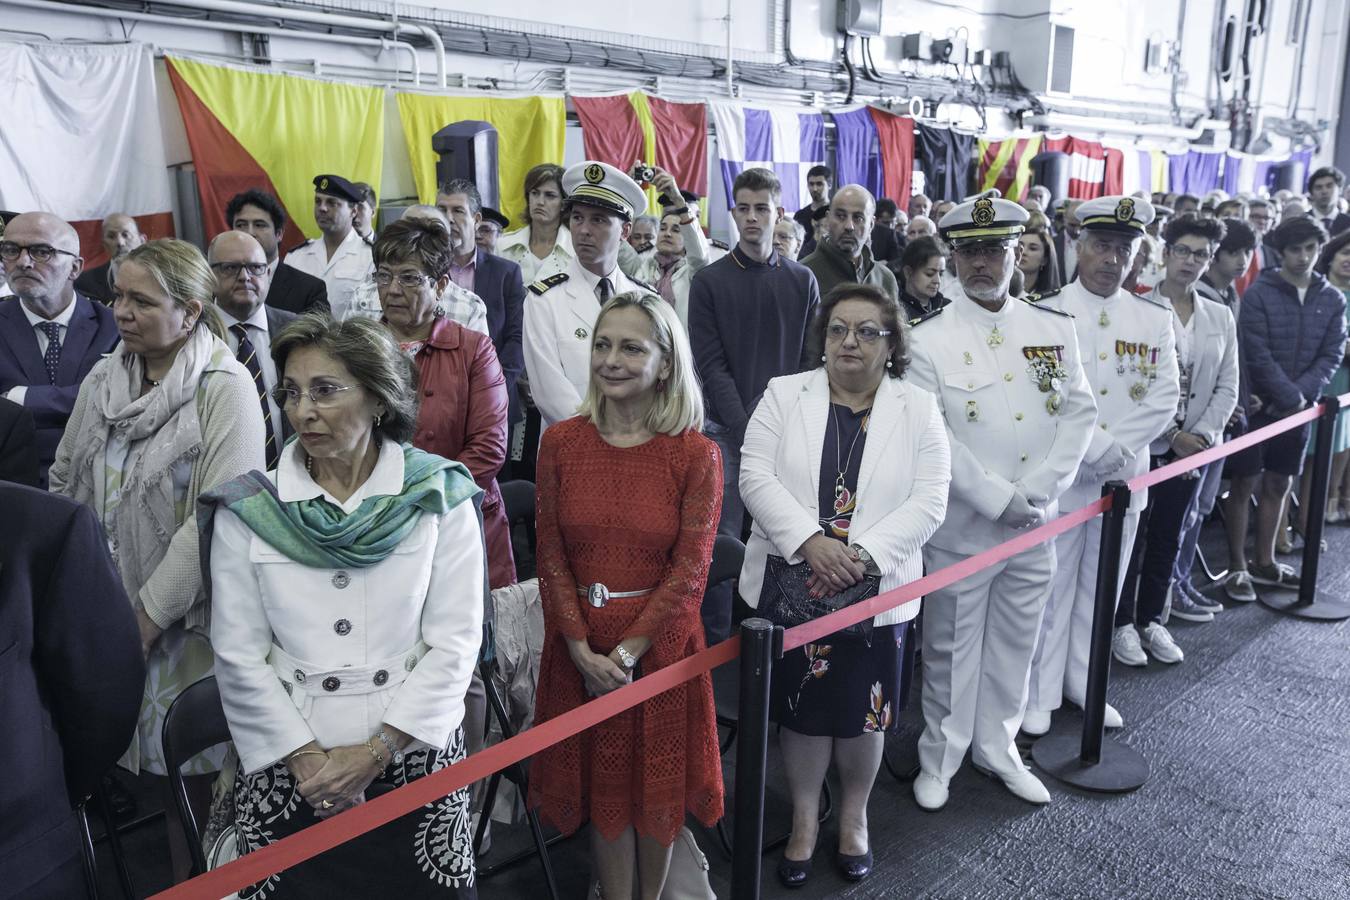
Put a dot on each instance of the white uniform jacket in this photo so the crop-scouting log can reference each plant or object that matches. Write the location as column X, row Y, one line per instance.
column 647, row 269
column 560, row 314
column 350, row 265
column 515, row 246
column 902, row 482
column 327, row 655
column 1018, row 409
column 1130, row 358
column 1214, row 371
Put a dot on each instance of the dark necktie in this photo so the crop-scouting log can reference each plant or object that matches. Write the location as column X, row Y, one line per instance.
column 605, row 290
column 248, row 356
column 52, row 358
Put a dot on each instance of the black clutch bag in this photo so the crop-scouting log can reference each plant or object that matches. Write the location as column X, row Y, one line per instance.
column 785, row 600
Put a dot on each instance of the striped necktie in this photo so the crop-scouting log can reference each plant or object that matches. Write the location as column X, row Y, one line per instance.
column 52, row 358
column 248, row 356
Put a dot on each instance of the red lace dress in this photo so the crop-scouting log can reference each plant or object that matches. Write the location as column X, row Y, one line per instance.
column 630, row 518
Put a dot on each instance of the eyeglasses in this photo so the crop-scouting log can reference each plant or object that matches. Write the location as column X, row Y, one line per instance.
column 1181, row 251
column 987, row 251
column 321, row 395
column 10, row 251
column 232, row 269
column 866, row 334
column 406, row 279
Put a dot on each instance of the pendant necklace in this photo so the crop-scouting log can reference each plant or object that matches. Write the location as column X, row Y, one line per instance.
column 842, row 467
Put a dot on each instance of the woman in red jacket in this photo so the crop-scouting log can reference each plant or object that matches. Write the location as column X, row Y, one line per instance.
column 460, row 386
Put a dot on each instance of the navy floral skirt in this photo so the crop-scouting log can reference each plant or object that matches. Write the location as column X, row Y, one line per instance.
column 841, row 687
column 426, row 853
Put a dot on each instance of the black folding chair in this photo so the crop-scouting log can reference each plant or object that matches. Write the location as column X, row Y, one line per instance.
column 728, row 556
column 518, row 501
column 112, row 835
column 195, row 722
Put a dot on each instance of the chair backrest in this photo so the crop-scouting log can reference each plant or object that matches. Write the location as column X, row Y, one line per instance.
column 727, row 558
column 195, row 722
column 518, row 500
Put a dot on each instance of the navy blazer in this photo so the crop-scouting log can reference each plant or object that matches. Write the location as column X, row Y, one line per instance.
column 96, row 283
column 500, row 285
column 72, row 677
column 91, row 335
column 296, row 291
column 18, row 445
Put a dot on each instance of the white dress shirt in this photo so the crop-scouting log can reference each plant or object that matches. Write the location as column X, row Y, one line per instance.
column 19, row 391
column 256, row 328
column 403, row 634
column 350, row 266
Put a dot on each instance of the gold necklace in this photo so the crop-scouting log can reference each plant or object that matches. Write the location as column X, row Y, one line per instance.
column 842, row 467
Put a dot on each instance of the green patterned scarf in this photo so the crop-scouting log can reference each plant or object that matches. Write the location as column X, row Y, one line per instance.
column 316, row 533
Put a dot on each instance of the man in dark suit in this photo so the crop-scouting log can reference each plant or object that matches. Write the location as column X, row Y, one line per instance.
column 73, row 674
column 18, row 445
column 885, row 245
column 496, row 281
column 1066, row 240
column 1324, row 189
column 50, row 336
column 260, row 215
column 120, row 235
column 241, row 283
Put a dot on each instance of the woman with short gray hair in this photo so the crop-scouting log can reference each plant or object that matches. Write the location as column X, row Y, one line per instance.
column 349, row 586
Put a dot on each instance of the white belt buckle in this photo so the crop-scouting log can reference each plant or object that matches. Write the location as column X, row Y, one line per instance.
column 597, row 595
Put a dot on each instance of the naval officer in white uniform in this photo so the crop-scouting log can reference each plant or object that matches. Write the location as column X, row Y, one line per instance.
column 1019, row 413
column 560, row 310
column 341, row 258
column 1129, row 355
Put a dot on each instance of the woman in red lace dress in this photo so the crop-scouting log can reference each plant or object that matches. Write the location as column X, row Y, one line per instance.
column 629, row 495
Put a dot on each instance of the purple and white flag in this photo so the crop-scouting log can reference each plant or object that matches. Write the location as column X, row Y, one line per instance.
column 785, row 140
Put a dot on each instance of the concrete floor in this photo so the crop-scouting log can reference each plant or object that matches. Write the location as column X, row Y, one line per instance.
column 1248, row 797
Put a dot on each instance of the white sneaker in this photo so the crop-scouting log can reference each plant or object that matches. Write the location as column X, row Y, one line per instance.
column 1125, row 647
column 1036, row 722
column 930, row 792
column 1160, row 644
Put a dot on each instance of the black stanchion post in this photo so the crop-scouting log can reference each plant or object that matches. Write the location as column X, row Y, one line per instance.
column 752, row 750
column 1092, row 762
column 1309, row 603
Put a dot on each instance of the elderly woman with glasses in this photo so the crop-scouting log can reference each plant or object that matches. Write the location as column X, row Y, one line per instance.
column 819, row 477
column 349, row 592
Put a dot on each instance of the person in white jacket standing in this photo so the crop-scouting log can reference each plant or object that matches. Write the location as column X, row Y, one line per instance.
column 1019, row 414
column 819, row 475
column 1129, row 355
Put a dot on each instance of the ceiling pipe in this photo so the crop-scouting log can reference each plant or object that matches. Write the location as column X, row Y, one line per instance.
column 316, row 17
column 229, row 27
column 1064, row 122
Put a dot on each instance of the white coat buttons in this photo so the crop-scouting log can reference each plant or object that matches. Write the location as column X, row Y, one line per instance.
column 342, row 627
column 341, row 580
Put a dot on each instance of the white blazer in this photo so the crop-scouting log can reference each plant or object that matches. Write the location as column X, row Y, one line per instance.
column 1214, row 371
column 902, row 483
column 392, row 643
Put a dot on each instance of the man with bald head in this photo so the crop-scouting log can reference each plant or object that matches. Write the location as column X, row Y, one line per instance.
column 242, row 282
column 920, row 226
column 846, row 257
column 51, row 335
column 120, row 235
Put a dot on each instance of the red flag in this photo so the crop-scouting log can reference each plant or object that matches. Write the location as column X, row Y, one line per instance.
column 896, row 134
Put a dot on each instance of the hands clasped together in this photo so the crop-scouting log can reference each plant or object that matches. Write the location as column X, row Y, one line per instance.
column 834, row 565
column 336, row 779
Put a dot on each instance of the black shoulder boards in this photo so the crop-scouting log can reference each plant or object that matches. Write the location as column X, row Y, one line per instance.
column 1150, row 301
column 1037, row 298
column 552, row 281
column 1034, row 304
column 302, row 244
column 927, row 316
column 720, row 245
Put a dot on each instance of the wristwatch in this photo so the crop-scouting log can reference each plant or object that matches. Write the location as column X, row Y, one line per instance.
column 395, row 754
column 629, row 660
column 865, row 558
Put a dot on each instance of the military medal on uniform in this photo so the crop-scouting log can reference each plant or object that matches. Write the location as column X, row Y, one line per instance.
column 1045, row 365
column 995, row 338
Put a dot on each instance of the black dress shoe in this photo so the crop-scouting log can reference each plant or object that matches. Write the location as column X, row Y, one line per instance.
column 792, row 872
column 854, row 868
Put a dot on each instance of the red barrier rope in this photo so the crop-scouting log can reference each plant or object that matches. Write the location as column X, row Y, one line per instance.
column 329, row 833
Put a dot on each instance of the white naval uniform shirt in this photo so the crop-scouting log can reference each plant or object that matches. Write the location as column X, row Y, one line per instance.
column 559, row 320
column 350, row 265
column 1129, row 356
column 1009, row 429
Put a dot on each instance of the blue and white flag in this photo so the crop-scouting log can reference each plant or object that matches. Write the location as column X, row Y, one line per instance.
column 785, row 140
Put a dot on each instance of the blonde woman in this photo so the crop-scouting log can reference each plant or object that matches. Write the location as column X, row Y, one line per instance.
column 629, row 496
column 169, row 414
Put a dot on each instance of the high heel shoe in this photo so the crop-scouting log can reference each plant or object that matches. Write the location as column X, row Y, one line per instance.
column 793, row 872
column 854, row 868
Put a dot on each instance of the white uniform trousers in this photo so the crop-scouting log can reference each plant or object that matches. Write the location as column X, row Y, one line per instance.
column 1060, row 665
column 978, row 637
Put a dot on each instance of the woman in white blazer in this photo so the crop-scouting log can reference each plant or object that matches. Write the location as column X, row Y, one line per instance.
column 544, row 246
column 1207, row 357
column 349, row 585
column 845, row 468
